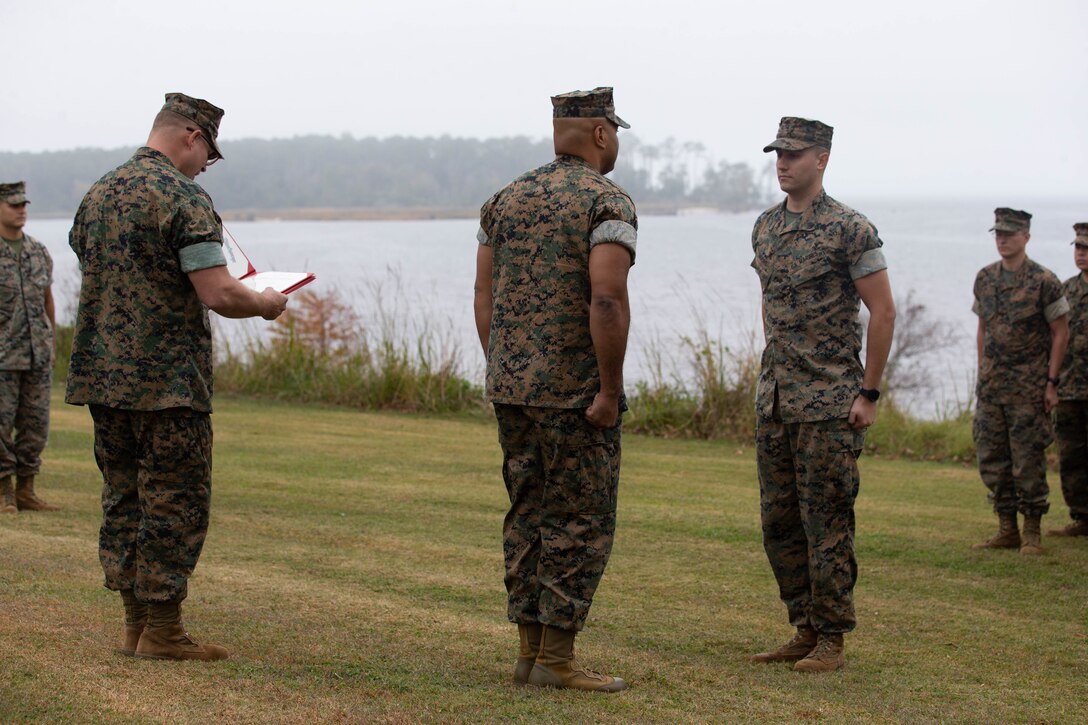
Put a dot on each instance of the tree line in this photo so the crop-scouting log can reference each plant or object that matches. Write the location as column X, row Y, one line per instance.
column 398, row 172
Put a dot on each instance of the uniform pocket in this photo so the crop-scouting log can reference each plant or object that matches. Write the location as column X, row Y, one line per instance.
column 1020, row 310
column 987, row 307
column 817, row 265
column 584, row 476
column 9, row 295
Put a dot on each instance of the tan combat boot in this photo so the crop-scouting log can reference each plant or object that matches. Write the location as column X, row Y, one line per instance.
column 797, row 648
column 1033, row 538
column 164, row 637
column 556, row 667
column 27, row 500
column 135, row 621
column 527, row 651
column 1007, row 536
column 1079, row 527
column 827, row 656
column 7, row 497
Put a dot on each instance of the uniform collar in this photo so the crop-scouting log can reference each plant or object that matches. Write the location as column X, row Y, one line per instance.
column 150, row 153
column 807, row 220
column 568, row 159
column 1023, row 265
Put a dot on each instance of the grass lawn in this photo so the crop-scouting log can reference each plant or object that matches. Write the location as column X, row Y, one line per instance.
column 354, row 569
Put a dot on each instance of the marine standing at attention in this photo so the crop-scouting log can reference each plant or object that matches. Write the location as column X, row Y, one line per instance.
column 552, row 312
column 150, row 249
column 816, row 259
column 1023, row 330
column 1072, row 420
column 27, row 321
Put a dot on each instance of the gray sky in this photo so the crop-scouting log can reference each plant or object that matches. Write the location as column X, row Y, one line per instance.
column 927, row 98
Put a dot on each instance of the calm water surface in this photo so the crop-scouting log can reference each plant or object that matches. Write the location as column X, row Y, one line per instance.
column 692, row 273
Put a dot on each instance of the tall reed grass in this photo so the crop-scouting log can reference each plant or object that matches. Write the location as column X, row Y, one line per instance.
column 709, row 392
column 699, row 387
column 320, row 351
column 703, row 388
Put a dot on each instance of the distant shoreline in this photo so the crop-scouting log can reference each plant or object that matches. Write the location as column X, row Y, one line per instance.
column 404, row 214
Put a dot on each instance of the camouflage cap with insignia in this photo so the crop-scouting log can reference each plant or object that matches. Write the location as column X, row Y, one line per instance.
column 798, row 134
column 1080, row 229
column 203, row 114
column 597, row 103
column 1010, row 220
column 14, row 193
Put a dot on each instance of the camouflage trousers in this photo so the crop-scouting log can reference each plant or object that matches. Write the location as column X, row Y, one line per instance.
column 156, row 470
column 1072, row 434
column 1010, row 442
column 562, row 477
column 808, row 480
column 24, row 419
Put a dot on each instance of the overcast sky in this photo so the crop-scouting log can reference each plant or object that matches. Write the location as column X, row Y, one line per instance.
column 927, row 98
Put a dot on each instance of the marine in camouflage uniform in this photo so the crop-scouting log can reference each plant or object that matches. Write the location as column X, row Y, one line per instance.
column 1022, row 334
column 26, row 353
column 150, row 250
column 1072, row 419
column 817, row 259
column 551, row 308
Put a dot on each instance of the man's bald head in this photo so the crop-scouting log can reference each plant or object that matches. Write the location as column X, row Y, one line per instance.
column 595, row 140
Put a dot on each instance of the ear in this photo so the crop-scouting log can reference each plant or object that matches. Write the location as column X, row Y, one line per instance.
column 821, row 160
column 600, row 137
column 191, row 138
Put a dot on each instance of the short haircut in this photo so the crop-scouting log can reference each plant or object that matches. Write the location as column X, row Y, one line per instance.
column 166, row 119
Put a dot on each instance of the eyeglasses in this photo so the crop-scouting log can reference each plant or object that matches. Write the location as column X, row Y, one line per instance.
column 212, row 155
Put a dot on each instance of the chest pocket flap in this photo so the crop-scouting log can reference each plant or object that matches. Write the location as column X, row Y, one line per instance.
column 804, row 271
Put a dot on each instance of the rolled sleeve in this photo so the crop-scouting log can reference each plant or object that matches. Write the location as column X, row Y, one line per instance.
column 615, row 232
column 1056, row 309
column 482, row 238
column 868, row 263
column 202, row 255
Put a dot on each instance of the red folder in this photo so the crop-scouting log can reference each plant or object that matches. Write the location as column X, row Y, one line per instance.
column 242, row 269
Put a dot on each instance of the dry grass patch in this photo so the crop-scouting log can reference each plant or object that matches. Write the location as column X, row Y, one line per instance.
column 354, row 569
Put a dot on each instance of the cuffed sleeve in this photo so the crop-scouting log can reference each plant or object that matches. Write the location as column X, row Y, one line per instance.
column 615, row 232
column 202, row 255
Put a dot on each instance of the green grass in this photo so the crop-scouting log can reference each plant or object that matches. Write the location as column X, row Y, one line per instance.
column 354, row 569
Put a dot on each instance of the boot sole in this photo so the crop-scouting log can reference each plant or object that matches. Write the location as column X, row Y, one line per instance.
column 177, row 659
column 819, row 670
column 145, row 656
column 756, row 660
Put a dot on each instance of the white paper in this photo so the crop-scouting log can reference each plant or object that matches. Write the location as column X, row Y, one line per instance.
column 279, row 281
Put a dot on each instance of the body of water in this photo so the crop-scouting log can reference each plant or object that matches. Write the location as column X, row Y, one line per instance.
column 692, row 273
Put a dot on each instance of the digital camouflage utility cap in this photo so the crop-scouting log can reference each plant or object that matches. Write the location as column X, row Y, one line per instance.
column 798, row 134
column 597, row 103
column 203, row 114
column 14, row 193
column 1010, row 220
column 1081, row 230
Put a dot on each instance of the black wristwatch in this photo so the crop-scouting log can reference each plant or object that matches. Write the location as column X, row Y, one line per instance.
column 1054, row 380
column 871, row 395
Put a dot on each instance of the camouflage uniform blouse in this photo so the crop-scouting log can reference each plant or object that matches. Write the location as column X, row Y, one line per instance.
column 1016, row 343
column 1074, row 376
column 807, row 270
column 541, row 228
column 26, row 338
column 142, row 337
